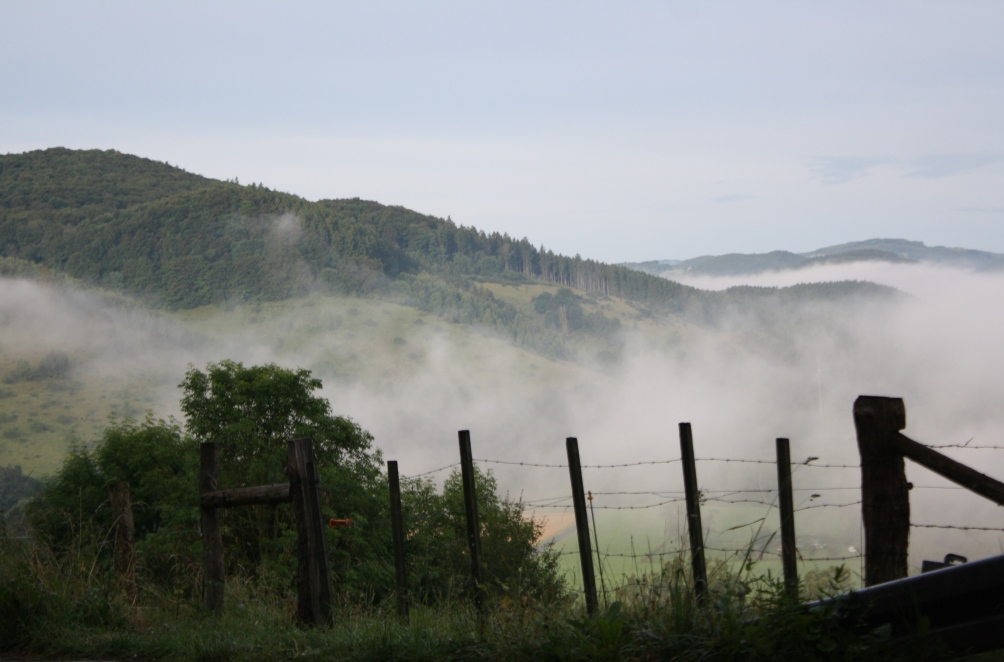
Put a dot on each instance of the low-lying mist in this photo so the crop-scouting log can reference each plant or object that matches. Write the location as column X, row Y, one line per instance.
column 413, row 380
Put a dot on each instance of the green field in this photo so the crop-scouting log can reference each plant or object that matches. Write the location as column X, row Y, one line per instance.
column 638, row 543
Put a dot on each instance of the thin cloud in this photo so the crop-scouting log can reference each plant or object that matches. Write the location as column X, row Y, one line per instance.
column 842, row 169
column 995, row 211
column 946, row 165
column 733, row 197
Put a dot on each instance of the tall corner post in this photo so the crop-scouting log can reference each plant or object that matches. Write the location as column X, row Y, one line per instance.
column 473, row 522
column 885, row 496
column 213, row 570
column 313, row 576
column 582, row 525
column 694, row 528
column 786, row 504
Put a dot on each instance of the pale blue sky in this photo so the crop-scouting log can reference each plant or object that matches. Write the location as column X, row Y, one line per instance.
column 620, row 131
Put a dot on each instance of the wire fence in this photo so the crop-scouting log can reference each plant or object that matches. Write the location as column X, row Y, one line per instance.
column 729, row 536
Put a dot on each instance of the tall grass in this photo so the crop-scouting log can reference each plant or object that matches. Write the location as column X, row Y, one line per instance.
column 68, row 602
column 43, row 590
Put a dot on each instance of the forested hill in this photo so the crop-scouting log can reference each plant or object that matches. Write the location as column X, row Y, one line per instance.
column 182, row 240
column 178, row 240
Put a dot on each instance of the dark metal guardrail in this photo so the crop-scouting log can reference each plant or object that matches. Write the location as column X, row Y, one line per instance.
column 961, row 605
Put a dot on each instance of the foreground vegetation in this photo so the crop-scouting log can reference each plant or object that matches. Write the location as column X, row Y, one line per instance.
column 63, row 604
column 61, row 594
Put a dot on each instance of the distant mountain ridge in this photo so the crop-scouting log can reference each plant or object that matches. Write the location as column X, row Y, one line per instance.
column 870, row 250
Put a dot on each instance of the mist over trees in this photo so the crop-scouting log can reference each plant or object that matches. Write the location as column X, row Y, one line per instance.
column 252, row 411
column 177, row 241
column 152, row 233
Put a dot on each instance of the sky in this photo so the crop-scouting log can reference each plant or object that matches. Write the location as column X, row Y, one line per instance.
column 619, row 131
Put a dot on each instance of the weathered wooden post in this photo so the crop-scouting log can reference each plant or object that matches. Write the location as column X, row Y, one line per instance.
column 313, row 576
column 694, row 527
column 214, row 572
column 786, row 506
column 120, row 498
column 885, row 495
column 473, row 522
column 582, row 525
column 397, row 533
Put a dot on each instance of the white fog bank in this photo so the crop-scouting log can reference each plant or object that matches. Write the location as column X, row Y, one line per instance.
column 413, row 381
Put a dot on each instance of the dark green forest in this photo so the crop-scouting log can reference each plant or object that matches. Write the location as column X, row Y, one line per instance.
column 176, row 240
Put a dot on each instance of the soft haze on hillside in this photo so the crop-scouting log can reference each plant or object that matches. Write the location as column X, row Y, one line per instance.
column 622, row 132
column 939, row 350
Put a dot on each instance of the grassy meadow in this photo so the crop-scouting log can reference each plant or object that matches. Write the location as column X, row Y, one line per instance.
column 77, row 608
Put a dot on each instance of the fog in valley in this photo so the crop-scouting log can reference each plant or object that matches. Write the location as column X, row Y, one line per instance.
column 414, row 385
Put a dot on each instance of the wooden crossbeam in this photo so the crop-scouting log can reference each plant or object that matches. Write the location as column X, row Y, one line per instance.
column 956, row 472
column 246, row 496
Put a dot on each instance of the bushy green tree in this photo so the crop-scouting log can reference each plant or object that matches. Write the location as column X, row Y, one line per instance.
column 152, row 455
column 515, row 563
column 253, row 411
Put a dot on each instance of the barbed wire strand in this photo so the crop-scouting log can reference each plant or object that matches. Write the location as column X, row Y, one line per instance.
column 828, row 505
column 426, row 473
column 808, row 462
column 584, row 466
column 958, row 528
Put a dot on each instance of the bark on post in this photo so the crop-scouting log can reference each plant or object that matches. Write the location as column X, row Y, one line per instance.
column 885, row 496
column 397, row 533
column 473, row 522
column 786, row 506
column 582, row 525
column 213, row 570
column 247, row 496
column 120, row 497
column 694, row 527
column 313, row 577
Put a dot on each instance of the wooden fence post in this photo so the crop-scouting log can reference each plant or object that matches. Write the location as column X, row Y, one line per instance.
column 213, row 570
column 885, row 496
column 473, row 523
column 397, row 533
column 313, row 576
column 120, row 497
column 582, row 525
column 786, row 508
column 694, row 527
